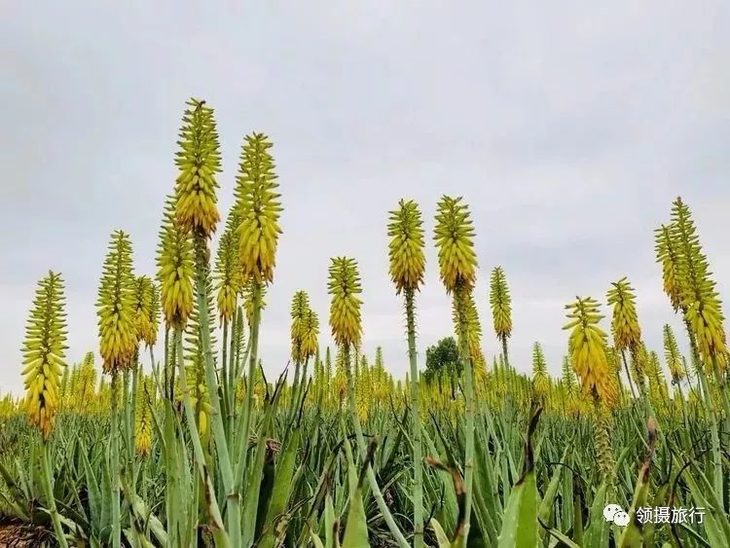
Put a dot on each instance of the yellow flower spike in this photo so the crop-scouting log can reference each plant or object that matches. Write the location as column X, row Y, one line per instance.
column 195, row 365
column 588, row 351
column 667, row 256
column 175, row 269
column 144, row 291
column 227, row 275
column 406, row 248
column 672, row 355
column 501, row 304
column 471, row 334
column 345, row 289
column 624, row 323
column 143, row 416
column 454, row 236
column 699, row 300
column 540, row 378
column 258, row 209
column 309, row 334
column 44, row 353
column 198, row 161
column 116, row 306
column 84, row 391
column 299, row 307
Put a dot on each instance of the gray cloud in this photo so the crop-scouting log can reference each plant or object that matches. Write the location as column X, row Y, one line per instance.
column 568, row 128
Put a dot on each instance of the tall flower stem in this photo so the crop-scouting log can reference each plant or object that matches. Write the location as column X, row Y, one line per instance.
column 461, row 296
column 114, row 463
column 715, row 437
column 219, row 434
column 240, row 456
column 415, row 424
column 232, row 538
column 226, row 388
column 628, row 373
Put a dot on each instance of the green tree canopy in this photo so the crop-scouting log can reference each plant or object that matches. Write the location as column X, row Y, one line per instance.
column 442, row 359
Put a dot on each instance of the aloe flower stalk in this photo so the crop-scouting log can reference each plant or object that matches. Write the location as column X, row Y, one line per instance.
column 702, row 313
column 501, row 304
column 227, row 286
column 258, row 208
column 44, row 353
column 196, row 211
column 143, row 417
column 625, row 327
column 540, row 379
column 587, row 345
column 345, row 321
column 454, row 236
column 118, row 346
column 407, row 269
column 299, row 308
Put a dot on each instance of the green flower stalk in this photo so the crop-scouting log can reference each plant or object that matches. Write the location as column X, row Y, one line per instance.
column 472, row 334
column 227, row 287
column 345, row 320
column 197, row 388
column 258, row 208
column 454, row 237
column 587, row 346
column 253, row 295
column 702, row 313
column 308, row 347
column 118, row 345
column 196, row 213
column 407, row 266
column 44, row 354
column 299, row 310
column 198, row 161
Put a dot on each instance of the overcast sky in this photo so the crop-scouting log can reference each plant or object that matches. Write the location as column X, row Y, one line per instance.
column 568, row 129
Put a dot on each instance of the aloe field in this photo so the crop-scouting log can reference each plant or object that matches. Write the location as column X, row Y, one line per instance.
column 171, row 433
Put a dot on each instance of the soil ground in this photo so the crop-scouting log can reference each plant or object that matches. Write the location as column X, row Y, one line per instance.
column 15, row 535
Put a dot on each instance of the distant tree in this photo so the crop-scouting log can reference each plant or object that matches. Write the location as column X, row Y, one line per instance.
column 442, row 362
